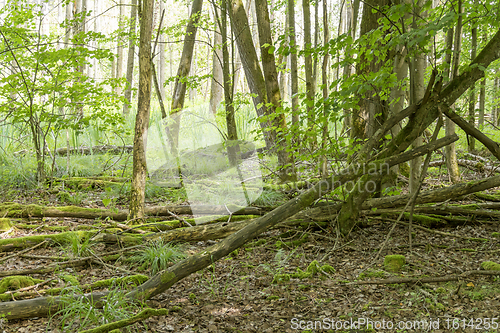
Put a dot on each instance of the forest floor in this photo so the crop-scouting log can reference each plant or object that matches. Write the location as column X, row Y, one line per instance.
column 238, row 294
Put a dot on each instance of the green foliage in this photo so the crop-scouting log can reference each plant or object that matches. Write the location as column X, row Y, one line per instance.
column 158, row 256
column 78, row 247
column 77, row 311
column 44, row 88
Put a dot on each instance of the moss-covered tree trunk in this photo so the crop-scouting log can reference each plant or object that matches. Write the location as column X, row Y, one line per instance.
column 139, row 171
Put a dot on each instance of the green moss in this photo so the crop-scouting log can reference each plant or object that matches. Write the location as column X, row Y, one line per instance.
column 490, row 266
column 5, row 224
column 371, row 274
column 137, row 279
column 394, row 263
column 441, row 290
column 423, row 219
column 292, row 243
column 495, row 234
column 61, row 238
column 167, row 277
column 488, row 197
column 470, row 207
column 280, row 278
column 272, row 297
column 404, row 169
column 17, row 282
column 73, row 280
column 192, row 297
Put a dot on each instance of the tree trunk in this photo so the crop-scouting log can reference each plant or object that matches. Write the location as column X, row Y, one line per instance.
column 272, row 88
column 139, row 171
column 450, row 152
column 216, row 90
column 417, row 90
column 184, row 67
column 324, row 83
column 232, row 135
column 352, row 19
column 496, row 99
column 119, row 47
column 294, row 86
column 308, row 67
column 263, row 92
column 130, row 58
column 472, row 96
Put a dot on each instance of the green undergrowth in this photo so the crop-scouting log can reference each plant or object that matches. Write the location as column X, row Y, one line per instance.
column 77, row 312
column 157, row 256
column 313, row 269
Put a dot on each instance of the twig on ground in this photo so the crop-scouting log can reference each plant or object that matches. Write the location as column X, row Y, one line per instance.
column 24, row 251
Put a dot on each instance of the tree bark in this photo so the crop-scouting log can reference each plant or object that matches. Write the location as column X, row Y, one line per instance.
column 216, row 89
column 294, row 85
column 274, row 107
column 139, row 171
column 119, row 46
column 130, row 58
column 182, row 73
column 472, row 96
column 308, row 68
column 417, row 91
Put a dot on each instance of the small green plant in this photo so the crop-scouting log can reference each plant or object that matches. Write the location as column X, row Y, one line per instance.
column 78, row 247
column 77, row 311
column 158, row 255
column 108, row 197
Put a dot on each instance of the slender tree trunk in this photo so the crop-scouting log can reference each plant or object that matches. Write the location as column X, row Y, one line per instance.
column 130, row 58
column 216, row 89
column 253, row 73
column 161, row 58
column 232, row 134
column 272, row 88
column 183, row 71
column 119, row 47
column 308, row 67
column 324, row 84
column 352, row 19
column 294, row 86
column 482, row 97
column 496, row 99
column 450, row 152
column 472, row 96
column 417, row 90
column 142, row 119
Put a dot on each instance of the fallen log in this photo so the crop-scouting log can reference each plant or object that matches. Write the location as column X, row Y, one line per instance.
column 101, row 149
column 438, row 195
column 479, row 166
column 16, row 210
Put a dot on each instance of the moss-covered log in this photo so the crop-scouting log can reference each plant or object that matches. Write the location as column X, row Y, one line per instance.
column 11, row 209
column 102, row 149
